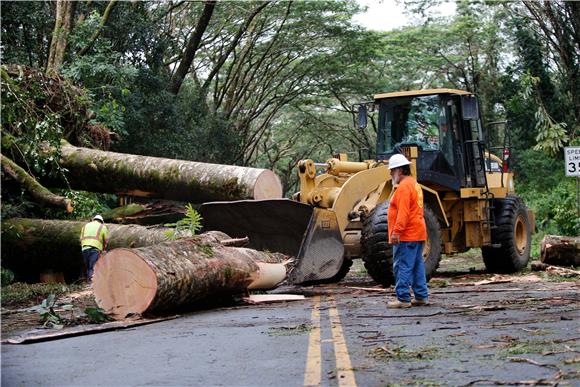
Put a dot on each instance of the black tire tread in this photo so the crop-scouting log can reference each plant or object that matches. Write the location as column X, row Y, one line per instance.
column 506, row 259
column 377, row 254
column 434, row 235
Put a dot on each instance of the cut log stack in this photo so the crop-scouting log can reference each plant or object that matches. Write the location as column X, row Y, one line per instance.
column 174, row 275
column 54, row 245
column 144, row 273
column 560, row 250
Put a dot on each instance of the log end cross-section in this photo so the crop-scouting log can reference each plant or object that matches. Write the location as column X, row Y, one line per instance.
column 124, row 283
column 267, row 186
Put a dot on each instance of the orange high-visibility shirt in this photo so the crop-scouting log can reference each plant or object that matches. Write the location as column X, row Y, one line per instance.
column 405, row 214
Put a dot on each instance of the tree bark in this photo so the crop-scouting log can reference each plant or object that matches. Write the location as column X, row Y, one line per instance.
column 560, row 251
column 179, row 274
column 195, row 182
column 62, row 26
column 191, row 47
column 36, row 190
column 157, row 212
column 33, row 246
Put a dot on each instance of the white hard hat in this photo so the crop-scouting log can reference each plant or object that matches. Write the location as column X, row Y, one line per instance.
column 99, row 218
column 398, row 160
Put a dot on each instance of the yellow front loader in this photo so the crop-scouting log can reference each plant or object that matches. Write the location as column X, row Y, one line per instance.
column 340, row 212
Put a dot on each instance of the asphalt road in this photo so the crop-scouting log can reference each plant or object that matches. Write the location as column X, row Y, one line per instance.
column 507, row 333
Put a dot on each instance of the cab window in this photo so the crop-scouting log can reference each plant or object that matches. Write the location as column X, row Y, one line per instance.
column 411, row 120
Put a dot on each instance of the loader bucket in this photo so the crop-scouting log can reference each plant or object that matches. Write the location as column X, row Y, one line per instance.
column 309, row 234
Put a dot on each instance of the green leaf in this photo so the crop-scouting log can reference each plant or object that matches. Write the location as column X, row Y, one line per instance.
column 97, row 315
column 187, row 226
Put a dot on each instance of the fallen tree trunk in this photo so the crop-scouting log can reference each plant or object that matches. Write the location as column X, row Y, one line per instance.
column 174, row 275
column 33, row 246
column 560, row 251
column 36, row 190
column 195, row 182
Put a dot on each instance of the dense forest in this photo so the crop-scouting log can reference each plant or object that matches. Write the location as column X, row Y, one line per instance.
column 268, row 83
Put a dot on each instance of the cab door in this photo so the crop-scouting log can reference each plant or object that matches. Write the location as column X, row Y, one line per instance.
column 471, row 135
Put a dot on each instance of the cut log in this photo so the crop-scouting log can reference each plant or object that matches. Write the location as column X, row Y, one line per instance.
column 178, row 274
column 194, row 182
column 36, row 190
column 33, row 246
column 560, row 250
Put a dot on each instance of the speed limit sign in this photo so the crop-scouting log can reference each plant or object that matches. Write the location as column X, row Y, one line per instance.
column 572, row 160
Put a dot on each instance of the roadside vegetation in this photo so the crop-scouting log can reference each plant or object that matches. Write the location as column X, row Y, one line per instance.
column 26, row 295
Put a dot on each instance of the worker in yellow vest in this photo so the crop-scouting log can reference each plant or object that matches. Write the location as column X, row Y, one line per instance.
column 94, row 239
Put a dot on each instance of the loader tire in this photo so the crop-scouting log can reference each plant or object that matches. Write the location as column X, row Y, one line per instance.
column 377, row 253
column 432, row 247
column 512, row 234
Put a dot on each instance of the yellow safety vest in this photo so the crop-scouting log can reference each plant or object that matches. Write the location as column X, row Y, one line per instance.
column 94, row 234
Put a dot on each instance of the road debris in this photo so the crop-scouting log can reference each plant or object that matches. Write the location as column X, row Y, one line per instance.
column 39, row 336
column 269, row 298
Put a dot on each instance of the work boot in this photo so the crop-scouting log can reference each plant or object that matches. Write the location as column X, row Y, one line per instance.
column 418, row 302
column 398, row 304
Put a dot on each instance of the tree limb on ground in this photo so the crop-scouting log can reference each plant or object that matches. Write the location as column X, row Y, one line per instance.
column 538, row 266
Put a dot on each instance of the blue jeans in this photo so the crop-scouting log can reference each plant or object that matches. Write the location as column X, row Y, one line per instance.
column 409, row 271
column 90, row 256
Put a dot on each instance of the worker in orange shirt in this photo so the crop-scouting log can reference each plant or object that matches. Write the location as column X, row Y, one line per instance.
column 407, row 234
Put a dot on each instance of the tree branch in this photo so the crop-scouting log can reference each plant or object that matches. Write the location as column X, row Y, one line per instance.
column 233, row 44
column 38, row 192
column 96, row 34
column 192, row 47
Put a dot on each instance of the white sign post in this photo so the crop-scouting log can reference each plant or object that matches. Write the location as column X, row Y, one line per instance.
column 572, row 165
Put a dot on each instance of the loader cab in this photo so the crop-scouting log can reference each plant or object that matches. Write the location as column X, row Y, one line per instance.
column 444, row 124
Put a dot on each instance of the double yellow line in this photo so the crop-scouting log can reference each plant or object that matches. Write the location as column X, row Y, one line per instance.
column 313, row 373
